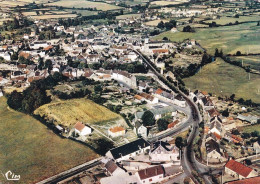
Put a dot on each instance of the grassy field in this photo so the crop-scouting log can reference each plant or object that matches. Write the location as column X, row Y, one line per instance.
column 249, row 129
column 83, row 12
column 165, row 3
column 54, row 16
column 155, row 22
column 252, row 61
column 243, row 37
column 69, row 112
column 223, row 79
column 29, row 149
column 227, row 20
column 128, row 16
column 84, row 4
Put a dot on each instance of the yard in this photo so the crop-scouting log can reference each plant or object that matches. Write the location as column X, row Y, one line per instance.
column 69, row 112
column 223, row 79
column 25, row 146
column 84, row 4
column 243, row 37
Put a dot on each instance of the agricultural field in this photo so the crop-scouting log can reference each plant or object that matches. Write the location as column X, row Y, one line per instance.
column 69, row 112
column 84, row 4
column 82, row 12
column 128, row 16
column 252, row 128
column 227, row 20
column 155, row 22
column 54, row 16
column 252, row 61
column 223, row 79
column 165, row 3
column 25, row 146
column 243, row 37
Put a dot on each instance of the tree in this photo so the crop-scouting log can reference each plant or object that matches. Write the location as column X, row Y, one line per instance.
column 216, row 52
column 98, row 88
column 148, row 118
column 232, row 97
column 179, row 142
column 248, row 162
column 103, row 146
column 37, row 12
column 162, row 124
column 225, row 113
column 15, row 100
column 161, row 25
column 48, row 65
column 238, row 53
column 187, row 29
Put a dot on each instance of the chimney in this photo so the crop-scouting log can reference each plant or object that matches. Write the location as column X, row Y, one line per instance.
column 145, row 172
column 156, row 171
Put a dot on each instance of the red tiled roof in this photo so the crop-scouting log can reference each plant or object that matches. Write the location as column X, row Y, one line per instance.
column 160, row 51
column 48, row 48
column 217, row 135
column 138, row 97
column 173, row 124
column 150, row 172
column 238, row 168
column 79, row 126
column 204, row 93
column 213, row 112
column 159, row 91
column 116, row 129
column 253, row 180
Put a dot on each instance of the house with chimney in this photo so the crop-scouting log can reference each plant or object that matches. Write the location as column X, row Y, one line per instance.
column 125, row 78
column 238, row 170
column 164, row 152
column 128, row 150
column 151, row 175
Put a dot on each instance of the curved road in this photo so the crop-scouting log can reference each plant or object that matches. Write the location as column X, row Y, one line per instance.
column 188, row 158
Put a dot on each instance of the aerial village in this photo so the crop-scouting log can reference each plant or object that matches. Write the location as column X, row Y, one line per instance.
column 125, row 72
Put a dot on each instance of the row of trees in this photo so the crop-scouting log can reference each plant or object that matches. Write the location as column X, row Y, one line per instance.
column 35, row 95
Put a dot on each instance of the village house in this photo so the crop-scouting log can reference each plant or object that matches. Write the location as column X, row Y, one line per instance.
column 252, row 180
column 159, row 111
column 238, row 170
column 82, row 129
column 140, row 129
column 124, row 77
column 112, row 169
column 128, row 150
column 116, row 131
column 164, row 152
column 213, row 150
column 151, row 175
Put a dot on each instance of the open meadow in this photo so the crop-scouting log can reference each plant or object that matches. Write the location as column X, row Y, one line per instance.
column 84, row 4
column 227, row 20
column 166, row 3
column 243, row 37
column 69, row 112
column 223, row 79
column 128, row 16
column 30, row 149
column 252, row 61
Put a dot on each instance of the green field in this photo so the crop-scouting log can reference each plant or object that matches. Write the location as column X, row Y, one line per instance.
column 252, row 61
column 31, row 150
column 84, row 4
column 249, row 129
column 243, row 37
column 223, row 79
column 69, row 112
column 227, row 20
column 128, row 16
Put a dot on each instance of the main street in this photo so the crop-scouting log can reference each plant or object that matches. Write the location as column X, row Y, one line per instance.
column 189, row 162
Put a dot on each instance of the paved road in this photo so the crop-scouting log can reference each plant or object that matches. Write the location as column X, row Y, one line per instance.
column 189, row 162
